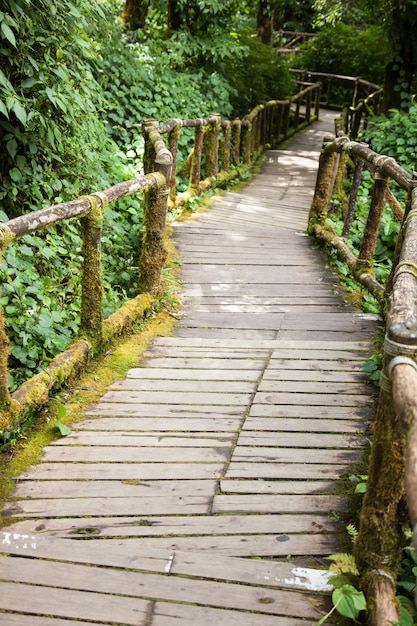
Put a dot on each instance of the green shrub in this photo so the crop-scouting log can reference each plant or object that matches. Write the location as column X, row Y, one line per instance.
column 349, row 50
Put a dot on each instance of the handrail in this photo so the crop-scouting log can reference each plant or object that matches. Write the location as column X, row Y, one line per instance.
column 229, row 148
column 365, row 97
column 393, row 460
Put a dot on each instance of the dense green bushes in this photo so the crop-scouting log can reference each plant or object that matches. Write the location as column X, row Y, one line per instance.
column 349, row 50
column 74, row 89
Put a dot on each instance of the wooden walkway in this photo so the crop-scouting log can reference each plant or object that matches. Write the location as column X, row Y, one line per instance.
column 203, row 488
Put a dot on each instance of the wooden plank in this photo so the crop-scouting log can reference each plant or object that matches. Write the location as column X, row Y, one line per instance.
column 354, row 346
column 52, row 601
column 173, row 440
column 284, row 470
column 226, row 333
column 272, row 455
column 267, row 320
column 277, row 486
column 322, row 387
column 304, row 424
column 161, row 424
column 216, row 386
column 178, row 525
column 166, row 614
column 278, row 504
column 177, row 397
column 300, row 440
column 14, row 619
column 73, row 604
column 120, row 471
column 311, row 374
column 312, row 399
column 113, row 488
column 120, row 454
column 203, row 363
column 176, row 373
column 169, row 505
column 161, row 410
column 305, row 411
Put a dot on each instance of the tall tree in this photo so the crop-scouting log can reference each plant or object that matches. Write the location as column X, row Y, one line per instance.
column 134, row 13
column 265, row 20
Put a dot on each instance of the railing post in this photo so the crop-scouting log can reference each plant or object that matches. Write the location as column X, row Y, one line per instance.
column 212, row 153
column 195, row 172
column 370, row 235
column 154, row 253
column 308, row 107
column 7, row 408
column 278, row 123
column 227, row 132
column 247, row 141
column 236, row 139
column 173, row 139
column 317, row 101
column 91, row 323
column 324, row 185
column 286, row 119
column 350, row 213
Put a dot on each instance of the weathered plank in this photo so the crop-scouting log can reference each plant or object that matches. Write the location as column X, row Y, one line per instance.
column 157, row 440
column 120, row 454
column 165, row 410
column 75, row 604
column 177, row 397
column 282, row 469
column 289, row 455
column 277, row 503
column 305, row 424
column 162, row 424
column 123, row 471
column 216, row 386
column 300, row 440
column 277, row 486
column 178, row 525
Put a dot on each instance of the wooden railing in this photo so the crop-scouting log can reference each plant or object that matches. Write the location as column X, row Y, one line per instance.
column 358, row 99
column 289, row 41
column 229, row 148
column 394, row 447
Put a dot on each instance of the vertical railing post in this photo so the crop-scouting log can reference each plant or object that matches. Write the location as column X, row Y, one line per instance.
column 227, row 133
column 173, row 139
column 308, row 107
column 154, row 253
column 286, row 119
column 373, row 222
column 236, row 141
column 195, row 171
column 91, row 322
column 212, row 150
column 323, row 189
column 317, row 100
column 7, row 408
column 278, row 123
column 350, row 213
column 247, row 140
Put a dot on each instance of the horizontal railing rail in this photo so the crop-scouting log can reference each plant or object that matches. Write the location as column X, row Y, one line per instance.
column 222, row 150
column 357, row 98
column 393, row 460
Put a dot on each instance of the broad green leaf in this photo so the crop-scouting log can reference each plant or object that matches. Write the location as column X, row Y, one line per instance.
column 63, row 428
column 8, row 34
column 20, row 112
column 349, row 601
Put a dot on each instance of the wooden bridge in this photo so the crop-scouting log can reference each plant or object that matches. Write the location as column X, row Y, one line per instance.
column 207, row 487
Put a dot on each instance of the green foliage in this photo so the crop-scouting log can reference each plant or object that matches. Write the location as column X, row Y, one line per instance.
column 373, row 365
column 258, row 76
column 406, row 586
column 395, row 135
column 347, row 600
column 349, row 50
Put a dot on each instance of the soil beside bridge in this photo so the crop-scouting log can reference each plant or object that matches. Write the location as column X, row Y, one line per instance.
column 204, row 488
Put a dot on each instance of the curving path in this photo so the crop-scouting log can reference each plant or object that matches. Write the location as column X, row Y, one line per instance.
column 203, row 489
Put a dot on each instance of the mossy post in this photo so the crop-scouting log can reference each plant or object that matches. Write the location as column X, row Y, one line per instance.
column 373, row 222
column 351, row 208
column 8, row 408
column 173, row 139
column 323, row 189
column 380, row 541
column 236, row 140
column 227, row 133
column 286, row 118
column 91, row 323
column 154, row 253
column 247, row 140
column 278, row 123
column 195, row 172
column 212, row 146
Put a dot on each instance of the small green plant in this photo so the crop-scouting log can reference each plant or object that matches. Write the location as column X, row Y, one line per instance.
column 347, row 600
column 373, row 366
column 360, row 481
column 63, row 428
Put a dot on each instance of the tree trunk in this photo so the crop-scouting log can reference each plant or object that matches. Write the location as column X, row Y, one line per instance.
column 265, row 21
column 402, row 66
column 134, row 14
column 174, row 17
